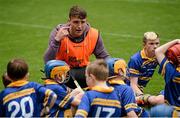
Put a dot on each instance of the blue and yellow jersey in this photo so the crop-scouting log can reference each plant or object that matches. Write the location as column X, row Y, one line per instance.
column 63, row 103
column 142, row 67
column 172, row 82
column 24, row 99
column 127, row 98
column 99, row 102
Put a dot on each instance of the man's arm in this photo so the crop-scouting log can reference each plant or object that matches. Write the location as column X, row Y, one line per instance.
column 54, row 41
column 134, row 85
column 160, row 51
column 100, row 51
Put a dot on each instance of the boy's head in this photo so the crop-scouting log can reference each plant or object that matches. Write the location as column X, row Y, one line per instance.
column 56, row 70
column 6, row 80
column 150, row 42
column 117, row 66
column 97, row 70
column 173, row 54
column 17, row 69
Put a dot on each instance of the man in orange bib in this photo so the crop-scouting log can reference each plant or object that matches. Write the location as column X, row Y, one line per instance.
column 74, row 43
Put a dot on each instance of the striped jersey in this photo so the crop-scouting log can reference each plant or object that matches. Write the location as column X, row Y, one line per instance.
column 172, row 82
column 63, row 103
column 142, row 67
column 99, row 102
column 24, row 99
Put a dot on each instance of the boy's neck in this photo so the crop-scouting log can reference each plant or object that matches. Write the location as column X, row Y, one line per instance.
column 101, row 83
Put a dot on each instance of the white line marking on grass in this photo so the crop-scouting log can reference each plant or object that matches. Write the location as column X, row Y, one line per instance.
column 46, row 27
column 25, row 25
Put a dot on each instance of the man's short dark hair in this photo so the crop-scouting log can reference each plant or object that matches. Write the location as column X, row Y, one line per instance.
column 76, row 11
column 17, row 69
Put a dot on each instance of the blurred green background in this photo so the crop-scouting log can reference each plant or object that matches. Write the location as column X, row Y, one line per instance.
column 25, row 26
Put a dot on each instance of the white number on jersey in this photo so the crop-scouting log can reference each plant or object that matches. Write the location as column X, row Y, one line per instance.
column 21, row 107
column 110, row 111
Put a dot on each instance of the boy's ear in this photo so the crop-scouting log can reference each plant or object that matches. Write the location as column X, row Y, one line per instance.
column 92, row 76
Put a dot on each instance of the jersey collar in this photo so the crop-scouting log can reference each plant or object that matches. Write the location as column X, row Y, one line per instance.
column 101, row 89
column 48, row 81
column 113, row 81
column 18, row 83
column 144, row 56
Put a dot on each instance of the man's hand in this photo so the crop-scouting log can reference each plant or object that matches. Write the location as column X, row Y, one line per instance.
column 61, row 33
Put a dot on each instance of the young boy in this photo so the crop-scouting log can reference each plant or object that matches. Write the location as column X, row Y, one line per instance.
column 22, row 98
column 117, row 75
column 56, row 75
column 101, row 100
column 171, row 73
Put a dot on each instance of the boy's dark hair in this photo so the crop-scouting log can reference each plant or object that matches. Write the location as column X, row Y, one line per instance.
column 76, row 11
column 6, row 80
column 17, row 69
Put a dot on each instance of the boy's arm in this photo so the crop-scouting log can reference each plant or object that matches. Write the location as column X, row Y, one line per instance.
column 160, row 51
column 134, row 85
column 132, row 114
column 49, row 100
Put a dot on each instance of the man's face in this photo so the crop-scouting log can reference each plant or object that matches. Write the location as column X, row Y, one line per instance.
column 77, row 26
column 150, row 47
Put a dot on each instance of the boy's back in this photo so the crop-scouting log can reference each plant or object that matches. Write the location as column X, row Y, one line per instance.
column 23, row 98
column 100, row 102
column 63, row 103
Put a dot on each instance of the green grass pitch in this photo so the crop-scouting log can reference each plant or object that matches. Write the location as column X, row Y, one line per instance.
column 25, row 26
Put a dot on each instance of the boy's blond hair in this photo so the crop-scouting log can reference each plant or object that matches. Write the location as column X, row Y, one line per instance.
column 150, row 36
column 99, row 69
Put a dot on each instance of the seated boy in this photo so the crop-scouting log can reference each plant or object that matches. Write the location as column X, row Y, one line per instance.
column 22, row 98
column 101, row 100
column 171, row 72
column 117, row 75
column 56, row 77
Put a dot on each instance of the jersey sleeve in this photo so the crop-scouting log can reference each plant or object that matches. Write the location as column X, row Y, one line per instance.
column 64, row 99
column 167, row 69
column 46, row 95
column 133, row 67
column 128, row 100
column 83, row 107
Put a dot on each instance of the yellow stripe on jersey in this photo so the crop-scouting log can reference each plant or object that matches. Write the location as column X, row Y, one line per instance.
column 105, row 102
column 131, row 105
column 176, row 80
column 133, row 71
column 49, row 81
column 64, row 101
column 178, row 69
column 47, row 95
column 82, row 113
column 114, row 81
column 18, row 94
column 145, row 78
column 163, row 69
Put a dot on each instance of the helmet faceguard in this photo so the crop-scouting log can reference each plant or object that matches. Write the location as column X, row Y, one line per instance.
column 57, row 70
column 115, row 65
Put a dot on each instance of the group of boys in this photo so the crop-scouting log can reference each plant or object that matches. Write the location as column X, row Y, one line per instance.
column 110, row 87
